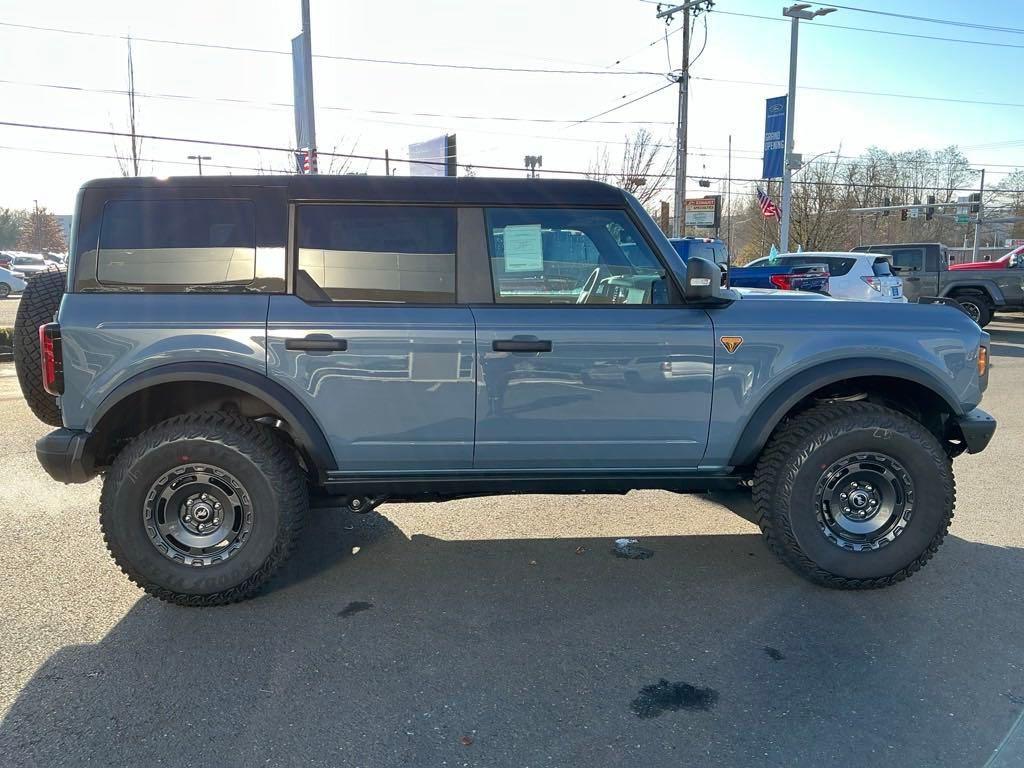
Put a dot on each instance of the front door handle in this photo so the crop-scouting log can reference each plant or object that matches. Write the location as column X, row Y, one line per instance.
column 911, row 279
column 520, row 345
column 317, row 343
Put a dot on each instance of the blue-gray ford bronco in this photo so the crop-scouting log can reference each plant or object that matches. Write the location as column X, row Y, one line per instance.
column 223, row 349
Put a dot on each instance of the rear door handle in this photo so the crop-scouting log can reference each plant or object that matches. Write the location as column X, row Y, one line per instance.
column 520, row 345
column 317, row 343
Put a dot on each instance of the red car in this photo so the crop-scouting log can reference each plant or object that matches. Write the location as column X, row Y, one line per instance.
column 1009, row 261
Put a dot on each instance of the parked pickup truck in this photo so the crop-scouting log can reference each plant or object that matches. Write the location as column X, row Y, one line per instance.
column 814, row 279
column 1010, row 260
column 221, row 348
column 925, row 270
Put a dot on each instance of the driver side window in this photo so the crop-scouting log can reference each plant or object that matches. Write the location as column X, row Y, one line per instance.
column 571, row 256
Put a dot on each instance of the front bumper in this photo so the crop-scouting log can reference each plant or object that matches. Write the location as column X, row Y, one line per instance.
column 977, row 428
column 65, row 455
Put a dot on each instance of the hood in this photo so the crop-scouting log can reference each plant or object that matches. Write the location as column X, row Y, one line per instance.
column 760, row 294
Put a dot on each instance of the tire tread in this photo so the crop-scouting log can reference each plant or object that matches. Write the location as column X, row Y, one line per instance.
column 776, row 473
column 269, row 452
column 39, row 303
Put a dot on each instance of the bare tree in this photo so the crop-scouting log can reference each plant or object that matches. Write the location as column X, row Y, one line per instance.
column 129, row 161
column 644, row 171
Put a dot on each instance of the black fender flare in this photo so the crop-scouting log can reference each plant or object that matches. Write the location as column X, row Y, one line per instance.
column 987, row 287
column 305, row 429
column 791, row 391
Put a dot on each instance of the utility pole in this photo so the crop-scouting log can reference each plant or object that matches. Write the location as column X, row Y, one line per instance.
column 981, row 213
column 307, row 37
column 728, row 200
column 796, row 12
column 199, row 159
column 679, row 198
column 679, row 205
column 387, row 163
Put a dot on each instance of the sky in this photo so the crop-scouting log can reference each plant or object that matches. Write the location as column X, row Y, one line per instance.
column 366, row 108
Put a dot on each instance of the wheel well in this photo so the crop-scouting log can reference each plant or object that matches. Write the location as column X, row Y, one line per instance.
column 140, row 410
column 915, row 400
column 970, row 291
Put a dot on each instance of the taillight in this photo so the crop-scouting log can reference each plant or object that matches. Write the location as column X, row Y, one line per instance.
column 874, row 282
column 782, row 282
column 51, row 358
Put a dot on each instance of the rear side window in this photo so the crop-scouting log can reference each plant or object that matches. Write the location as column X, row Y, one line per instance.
column 911, row 259
column 881, row 268
column 175, row 244
column 376, row 253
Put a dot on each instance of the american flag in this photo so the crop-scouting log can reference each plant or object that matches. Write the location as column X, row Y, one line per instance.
column 768, row 208
column 309, row 163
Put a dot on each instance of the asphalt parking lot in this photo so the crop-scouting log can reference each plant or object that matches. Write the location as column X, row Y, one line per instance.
column 503, row 632
column 9, row 311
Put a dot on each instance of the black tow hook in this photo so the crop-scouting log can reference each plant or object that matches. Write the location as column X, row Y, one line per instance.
column 364, row 504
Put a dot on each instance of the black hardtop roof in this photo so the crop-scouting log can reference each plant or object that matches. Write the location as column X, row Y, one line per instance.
column 406, row 189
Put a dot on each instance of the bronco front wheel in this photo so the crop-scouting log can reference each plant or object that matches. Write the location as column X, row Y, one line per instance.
column 202, row 509
column 854, row 495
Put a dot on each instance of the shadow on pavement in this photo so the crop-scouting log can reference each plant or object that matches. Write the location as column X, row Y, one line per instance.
column 544, row 652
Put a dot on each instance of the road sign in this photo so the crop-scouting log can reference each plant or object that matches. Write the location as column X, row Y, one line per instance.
column 963, row 218
column 702, row 212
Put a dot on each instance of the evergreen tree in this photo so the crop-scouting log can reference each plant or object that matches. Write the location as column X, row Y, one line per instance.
column 42, row 233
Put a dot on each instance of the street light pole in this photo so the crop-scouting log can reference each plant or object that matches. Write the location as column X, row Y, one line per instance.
column 796, row 13
column 977, row 221
column 199, row 159
column 307, row 65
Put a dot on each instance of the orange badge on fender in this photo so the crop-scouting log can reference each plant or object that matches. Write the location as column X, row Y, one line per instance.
column 731, row 343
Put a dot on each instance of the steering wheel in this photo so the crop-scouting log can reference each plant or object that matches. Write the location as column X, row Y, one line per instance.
column 588, row 287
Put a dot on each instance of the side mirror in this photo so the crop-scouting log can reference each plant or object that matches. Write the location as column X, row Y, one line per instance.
column 703, row 280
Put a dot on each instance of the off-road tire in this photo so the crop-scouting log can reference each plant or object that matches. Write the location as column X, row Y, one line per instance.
column 792, row 463
column 976, row 305
column 39, row 303
column 252, row 452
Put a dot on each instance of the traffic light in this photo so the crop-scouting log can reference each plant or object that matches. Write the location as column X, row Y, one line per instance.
column 975, row 199
column 930, row 211
column 886, row 202
column 903, row 214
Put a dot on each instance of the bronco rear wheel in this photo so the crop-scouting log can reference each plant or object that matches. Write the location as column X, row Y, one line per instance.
column 854, row 495
column 202, row 509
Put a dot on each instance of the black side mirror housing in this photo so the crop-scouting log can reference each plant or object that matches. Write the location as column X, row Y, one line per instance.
column 704, row 282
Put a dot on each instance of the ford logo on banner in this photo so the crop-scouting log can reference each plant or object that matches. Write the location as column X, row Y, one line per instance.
column 774, row 137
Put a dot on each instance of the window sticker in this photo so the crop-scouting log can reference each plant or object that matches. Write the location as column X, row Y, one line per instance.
column 524, row 248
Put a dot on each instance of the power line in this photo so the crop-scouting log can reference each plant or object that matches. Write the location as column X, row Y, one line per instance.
column 950, row 22
column 819, row 24
column 353, row 156
column 157, row 161
column 868, row 93
column 333, row 57
column 706, row 151
column 532, row 70
column 626, row 104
